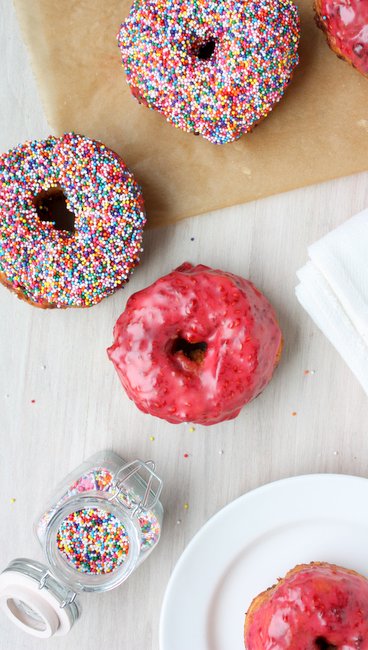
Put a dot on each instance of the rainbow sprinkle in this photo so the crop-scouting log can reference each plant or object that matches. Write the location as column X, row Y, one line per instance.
column 101, row 479
column 97, row 479
column 93, row 541
column 213, row 68
column 62, row 267
column 150, row 530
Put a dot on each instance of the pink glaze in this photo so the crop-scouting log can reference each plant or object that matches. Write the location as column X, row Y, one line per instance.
column 317, row 607
column 346, row 24
column 198, row 305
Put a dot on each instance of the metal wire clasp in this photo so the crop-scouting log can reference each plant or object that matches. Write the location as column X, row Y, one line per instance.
column 43, row 579
column 71, row 595
column 69, row 600
column 145, row 472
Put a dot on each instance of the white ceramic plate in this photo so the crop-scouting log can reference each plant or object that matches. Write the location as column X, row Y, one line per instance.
column 254, row 540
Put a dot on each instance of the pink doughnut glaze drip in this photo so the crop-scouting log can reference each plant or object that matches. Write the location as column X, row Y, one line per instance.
column 346, row 23
column 197, row 305
column 318, row 607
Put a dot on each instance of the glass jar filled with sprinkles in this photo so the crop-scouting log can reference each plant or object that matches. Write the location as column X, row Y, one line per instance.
column 103, row 520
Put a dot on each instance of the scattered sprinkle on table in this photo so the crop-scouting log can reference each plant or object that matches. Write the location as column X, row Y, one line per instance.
column 294, row 413
column 186, row 506
column 191, row 429
column 152, row 438
column 12, row 500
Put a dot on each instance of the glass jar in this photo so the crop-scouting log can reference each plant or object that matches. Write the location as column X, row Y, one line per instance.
column 104, row 519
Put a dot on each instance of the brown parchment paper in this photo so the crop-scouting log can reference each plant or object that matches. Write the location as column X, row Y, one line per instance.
column 318, row 131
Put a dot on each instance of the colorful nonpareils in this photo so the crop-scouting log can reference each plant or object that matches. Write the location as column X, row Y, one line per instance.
column 101, row 479
column 211, row 68
column 151, row 530
column 71, row 221
column 93, row 541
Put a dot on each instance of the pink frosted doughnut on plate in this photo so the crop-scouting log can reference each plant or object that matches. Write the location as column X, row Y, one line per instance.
column 196, row 345
column 71, row 222
column 213, row 68
column 317, row 606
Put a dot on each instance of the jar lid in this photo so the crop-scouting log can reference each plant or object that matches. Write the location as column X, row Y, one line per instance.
column 35, row 601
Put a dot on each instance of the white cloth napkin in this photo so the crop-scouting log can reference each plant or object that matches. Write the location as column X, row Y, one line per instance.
column 333, row 289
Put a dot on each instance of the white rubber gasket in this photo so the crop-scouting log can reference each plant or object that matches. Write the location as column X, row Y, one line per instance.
column 34, row 610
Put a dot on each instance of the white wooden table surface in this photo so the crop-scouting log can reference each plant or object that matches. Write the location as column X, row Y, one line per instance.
column 60, row 398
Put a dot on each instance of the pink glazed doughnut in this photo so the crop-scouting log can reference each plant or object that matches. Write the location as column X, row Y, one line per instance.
column 317, row 606
column 196, row 345
column 345, row 23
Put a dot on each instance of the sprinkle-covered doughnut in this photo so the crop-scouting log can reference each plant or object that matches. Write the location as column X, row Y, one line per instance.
column 71, row 221
column 214, row 68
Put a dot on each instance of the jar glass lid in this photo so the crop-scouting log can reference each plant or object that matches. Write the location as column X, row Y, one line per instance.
column 92, row 544
column 35, row 601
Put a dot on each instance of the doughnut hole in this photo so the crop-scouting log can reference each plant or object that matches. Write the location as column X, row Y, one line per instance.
column 51, row 206
column 195, row 352
column 321, row 643
column 205, row 49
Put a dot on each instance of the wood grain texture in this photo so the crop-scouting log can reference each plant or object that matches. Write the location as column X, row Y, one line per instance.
column 318, row 131
column 58, row 359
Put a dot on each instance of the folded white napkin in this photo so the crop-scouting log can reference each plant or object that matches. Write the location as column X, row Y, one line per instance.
column 334, row 291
